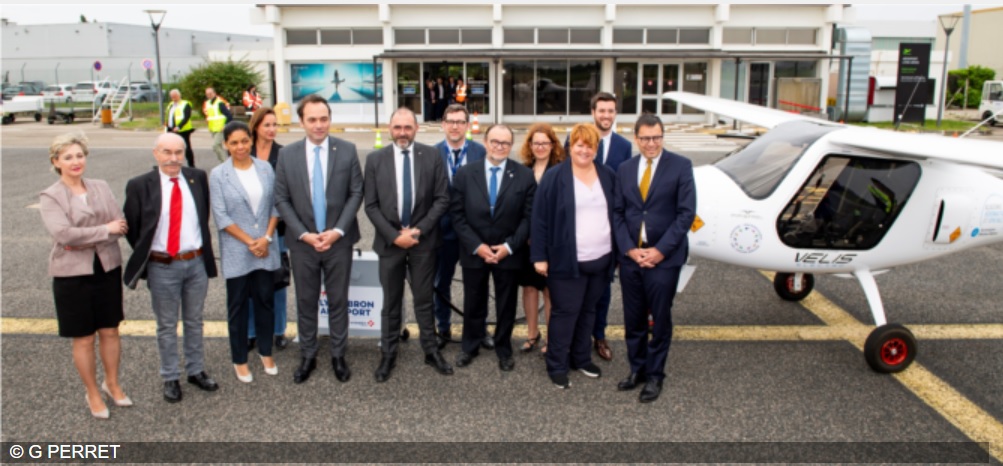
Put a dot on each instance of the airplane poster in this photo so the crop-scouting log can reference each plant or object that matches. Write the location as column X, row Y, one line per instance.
column 338, row 82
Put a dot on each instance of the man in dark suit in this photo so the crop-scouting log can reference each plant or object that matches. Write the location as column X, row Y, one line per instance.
column 406, row 192
column 654, row 204
column 613, row 150
column 491, row 206
column 167, row 211
column 318, row 192
column 456, row 151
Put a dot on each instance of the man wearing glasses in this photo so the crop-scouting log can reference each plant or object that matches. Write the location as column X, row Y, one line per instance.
column 456, row 151
column 491, row 206
column 654, row 203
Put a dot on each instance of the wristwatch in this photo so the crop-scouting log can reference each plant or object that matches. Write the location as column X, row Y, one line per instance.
column 268, row 238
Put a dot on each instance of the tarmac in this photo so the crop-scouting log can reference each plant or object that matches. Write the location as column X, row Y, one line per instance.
column 751, row 378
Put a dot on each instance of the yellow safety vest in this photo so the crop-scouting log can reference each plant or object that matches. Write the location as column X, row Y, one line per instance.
column 214, row 116
column 179, row 114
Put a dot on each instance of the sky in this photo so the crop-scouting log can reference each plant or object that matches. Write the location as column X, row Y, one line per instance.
column 234, row 17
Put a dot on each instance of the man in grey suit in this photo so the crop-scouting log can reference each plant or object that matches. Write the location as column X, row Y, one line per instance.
column 318, row 191
column 406, row 192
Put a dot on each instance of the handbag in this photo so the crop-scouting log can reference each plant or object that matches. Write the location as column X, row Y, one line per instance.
column 284, row 273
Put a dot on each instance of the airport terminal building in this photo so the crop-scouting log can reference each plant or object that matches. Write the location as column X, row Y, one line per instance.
column 525, row 63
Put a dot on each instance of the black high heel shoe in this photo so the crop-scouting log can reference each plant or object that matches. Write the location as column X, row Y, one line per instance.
column 530, row 344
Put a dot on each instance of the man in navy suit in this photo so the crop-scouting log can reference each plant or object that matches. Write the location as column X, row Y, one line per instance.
column 654, row 203
column 491, row 206
column 613, row 150
column 456, row 151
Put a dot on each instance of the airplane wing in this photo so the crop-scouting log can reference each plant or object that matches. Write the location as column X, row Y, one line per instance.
column 749, row 113
column 988, row 154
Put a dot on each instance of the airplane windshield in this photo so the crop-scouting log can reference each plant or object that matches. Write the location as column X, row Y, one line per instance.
column 759, row 167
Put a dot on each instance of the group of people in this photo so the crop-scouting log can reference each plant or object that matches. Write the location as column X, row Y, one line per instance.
column 216, row 111
column 440, row 94
column 556, row 222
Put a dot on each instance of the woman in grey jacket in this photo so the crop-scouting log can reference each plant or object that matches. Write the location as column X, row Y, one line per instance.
column 243, row 205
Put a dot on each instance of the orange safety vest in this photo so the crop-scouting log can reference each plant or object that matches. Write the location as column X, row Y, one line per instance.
column 461, row 93
column 252, row 102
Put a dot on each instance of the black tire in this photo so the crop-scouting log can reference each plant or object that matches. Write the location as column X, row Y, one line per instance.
column 8, row 119
column 51, row 120
column 783, row 284
column 38, row 117
column 890, row 348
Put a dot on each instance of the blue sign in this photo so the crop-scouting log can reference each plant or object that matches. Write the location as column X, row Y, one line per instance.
column 97, row 66
column 147, row 64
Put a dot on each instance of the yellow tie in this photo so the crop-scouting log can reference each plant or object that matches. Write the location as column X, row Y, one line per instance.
column 645, row 184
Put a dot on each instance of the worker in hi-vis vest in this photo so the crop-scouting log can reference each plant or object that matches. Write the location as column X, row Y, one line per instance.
column 179, row 121
column 461, row 92
column 217, row 115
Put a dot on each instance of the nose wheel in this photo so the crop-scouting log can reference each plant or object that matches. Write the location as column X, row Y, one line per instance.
column 890, row 348
column 793, row 286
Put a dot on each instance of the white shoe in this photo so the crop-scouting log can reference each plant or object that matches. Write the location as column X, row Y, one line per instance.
column 274, row 370
column 123, row 402
column 243, row 378
column 103, row 414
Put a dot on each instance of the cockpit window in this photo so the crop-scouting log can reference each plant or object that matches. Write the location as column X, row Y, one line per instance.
column 759, row 167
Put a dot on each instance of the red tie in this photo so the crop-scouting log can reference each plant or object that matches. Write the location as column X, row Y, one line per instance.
column 174, row 228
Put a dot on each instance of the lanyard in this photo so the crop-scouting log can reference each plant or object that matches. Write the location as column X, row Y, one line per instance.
column 455, row 164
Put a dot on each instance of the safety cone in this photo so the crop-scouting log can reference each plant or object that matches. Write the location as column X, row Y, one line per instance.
column 379, row 141
column 469, row 136
column 955, row 134
column 476, row 126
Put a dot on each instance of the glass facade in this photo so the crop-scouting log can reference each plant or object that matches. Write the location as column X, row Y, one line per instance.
column 625, row 87
column 550, row 87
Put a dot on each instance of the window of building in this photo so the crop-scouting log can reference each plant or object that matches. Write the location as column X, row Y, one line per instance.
column 443, row 36
column 519, row 82
column 520, row 36
column 410, row 88
column 478, row 87
column 625, row 87
column 552, row 36
column 848, row 203
column 628, row 36
column 586, row 36
column 801, row 36
column 663, row 36
column 409, row 36
column 367, row 36
column 794, row 69
column 771, row 36
column 476, row 36
column 694, row 36
column 728, row 80
column 584, row 79
column 301, row 37
column 552, row 87
column 336, row 36
column 695, row 81
column 738, row 36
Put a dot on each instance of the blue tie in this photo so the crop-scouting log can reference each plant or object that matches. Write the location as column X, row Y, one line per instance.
column 406, row 191
column 319, row 199
column 493, row 188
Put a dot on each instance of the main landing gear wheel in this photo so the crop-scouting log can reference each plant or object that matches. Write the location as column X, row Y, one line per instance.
column 890, row 348
column 784, row 285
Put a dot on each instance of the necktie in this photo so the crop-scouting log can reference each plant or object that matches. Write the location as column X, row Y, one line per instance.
column 645, row 184
column 319, row 199
column 406, row 191
column 174, row 227
column 456, row 157
column 600, row 154
column 493, row 188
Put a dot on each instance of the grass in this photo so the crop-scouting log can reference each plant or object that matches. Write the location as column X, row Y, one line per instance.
column 928, row 125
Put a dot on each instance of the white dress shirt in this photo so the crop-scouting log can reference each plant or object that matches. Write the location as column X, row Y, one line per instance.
column 643, row 165
column 487, row 179
column 191, row 233
column 605, row 147
column 399, row 169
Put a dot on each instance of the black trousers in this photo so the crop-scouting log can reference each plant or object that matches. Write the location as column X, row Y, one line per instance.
column 644, row 291
column 475, row 307
column 572, row 315
column 392, row 267
column 259, row 285
column 189, row 153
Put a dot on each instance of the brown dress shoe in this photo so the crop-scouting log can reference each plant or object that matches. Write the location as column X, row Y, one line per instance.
column 603, row 349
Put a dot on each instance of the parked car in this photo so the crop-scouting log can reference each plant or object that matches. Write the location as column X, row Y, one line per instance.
column 58, row 93
column 35, row 87
column 143, row 92
column 24, row 89
column 91, row 91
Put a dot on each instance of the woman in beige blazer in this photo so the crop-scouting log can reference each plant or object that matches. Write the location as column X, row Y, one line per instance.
column 86, row 222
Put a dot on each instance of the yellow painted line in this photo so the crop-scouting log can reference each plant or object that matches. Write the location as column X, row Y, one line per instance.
column 957, row 409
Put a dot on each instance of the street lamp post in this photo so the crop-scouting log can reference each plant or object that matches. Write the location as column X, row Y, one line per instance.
column 947, row 22
column 156, row 18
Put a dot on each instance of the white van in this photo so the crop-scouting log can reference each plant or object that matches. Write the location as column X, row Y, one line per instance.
column 992, row 101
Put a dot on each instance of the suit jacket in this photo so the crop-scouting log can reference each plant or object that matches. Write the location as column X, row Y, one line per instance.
column 667, row 213
column 619, row 151
column 552, row 230
column 231, row 205
column 431, row 197
column 471, row 209
column 294, row 198
column 273, row 160
column 80, row 226
column 143, row 200
column 475, row 152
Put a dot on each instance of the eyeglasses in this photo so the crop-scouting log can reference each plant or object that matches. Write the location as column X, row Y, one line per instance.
column 500, row 144
column 542, row 144
column 454, row 122
column 650, row 139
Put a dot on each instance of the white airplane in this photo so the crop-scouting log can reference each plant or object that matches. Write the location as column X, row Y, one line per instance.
column 815, row 197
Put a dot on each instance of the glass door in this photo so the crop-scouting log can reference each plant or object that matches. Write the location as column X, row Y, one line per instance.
column 650, row 83
column 759, row 84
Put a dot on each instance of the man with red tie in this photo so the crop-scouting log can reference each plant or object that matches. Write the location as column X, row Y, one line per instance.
column 167, row 211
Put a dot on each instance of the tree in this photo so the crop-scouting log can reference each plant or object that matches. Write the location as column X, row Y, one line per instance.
column 975, row 75
column 229, row 78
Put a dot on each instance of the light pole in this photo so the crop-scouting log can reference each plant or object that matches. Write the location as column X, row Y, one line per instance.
column 156, row 18
column 947, row 22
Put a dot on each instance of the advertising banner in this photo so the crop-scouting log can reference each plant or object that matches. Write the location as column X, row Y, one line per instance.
column 338, row 82
column 912, row 87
